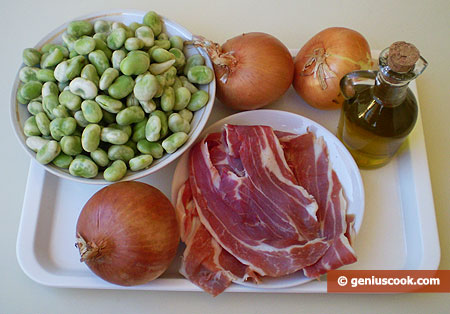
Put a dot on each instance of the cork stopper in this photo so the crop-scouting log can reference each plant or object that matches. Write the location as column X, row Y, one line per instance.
column 402, row 56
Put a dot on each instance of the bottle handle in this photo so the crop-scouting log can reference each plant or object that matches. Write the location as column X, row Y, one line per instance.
column 351, row 79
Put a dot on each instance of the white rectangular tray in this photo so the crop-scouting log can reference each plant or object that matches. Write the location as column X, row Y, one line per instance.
column 398, row 232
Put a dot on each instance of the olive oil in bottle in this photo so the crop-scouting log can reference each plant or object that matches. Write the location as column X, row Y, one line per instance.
column 380, row 110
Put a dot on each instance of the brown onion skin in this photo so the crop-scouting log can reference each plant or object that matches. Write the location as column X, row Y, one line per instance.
column 337, row 41
column 263, row 73
column 136, row 225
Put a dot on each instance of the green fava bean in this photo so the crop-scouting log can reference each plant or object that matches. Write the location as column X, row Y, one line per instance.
column 90, row 138
column 161, row 55
column 31, row 57
column 186, row 115
column 132, row 100
column 135, row 63
column 43, row 123
column 176, row 42
column 91, row 111
column 60, row 127
column 163, row 118
column 139, row 131
column 140, row 162
column 134, row 26
column 100, row 157
column 163, row 43
column 198, row 100
column 99, row 60
column 90, row 73
column 116, row 171
column 128, row 32
column 62, row 161
column 159, row 68
column 34, row 107
column 102, row 26
column 125, row 128
column 180, row 59
column 70, row 100
column 35, row 143
column 152, row 20
column 103, row 37
column 60, row 72
column 130, row 115
column 51, row 59
column 49, row 88
column 182, row 98
column 109, row 104
column 163, row 36
column 80, row 28
column 121, row 87
column 30, row 127
column 107, row 78
column 100, row 44
column 74, row 66
column 83, row 88
column 174, row 141
column 50, row 102
column 193, row 61
column 153, row 129
column 71, row 145
column 145, row 34
column 45, row 75
column 200, row 74
column 116, row 38
column 185, row 82
column 60, row 112
column 114, row 136
column 153, row 148
column 81, row 120
column 28, row 74
column 31, row 90
column 68, row 40
column 133, row 43
column 170, row 75
column 146, row 87
column 83, row 167
column 48, row 152
column 117, row 57
column 84, row 45
column 120, row 152
column 177, row 83
column 168, row 99
column 178, row 124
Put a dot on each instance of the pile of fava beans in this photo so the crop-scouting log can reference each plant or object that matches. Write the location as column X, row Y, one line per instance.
column 112, row 97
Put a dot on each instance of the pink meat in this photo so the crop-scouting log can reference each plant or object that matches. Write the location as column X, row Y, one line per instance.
column 204, row 261
column 263, row 218
column 308, row 158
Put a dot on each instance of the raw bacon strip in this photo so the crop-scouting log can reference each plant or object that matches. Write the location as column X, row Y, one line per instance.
column 204, row 262
column 308, row 158
column 227, row 225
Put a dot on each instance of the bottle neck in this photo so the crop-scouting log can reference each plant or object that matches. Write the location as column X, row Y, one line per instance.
column 390, row 93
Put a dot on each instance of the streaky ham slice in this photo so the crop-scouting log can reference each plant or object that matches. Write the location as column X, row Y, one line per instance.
column 204, row 261
column 256, row 211
column 308, row 158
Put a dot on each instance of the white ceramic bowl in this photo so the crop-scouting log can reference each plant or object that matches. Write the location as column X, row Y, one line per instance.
column 19, row 112
column 341, row 160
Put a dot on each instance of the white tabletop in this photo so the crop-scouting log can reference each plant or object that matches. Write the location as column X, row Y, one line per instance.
column 424, row 23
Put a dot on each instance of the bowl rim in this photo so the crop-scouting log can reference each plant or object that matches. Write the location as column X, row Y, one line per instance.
column 169, row 158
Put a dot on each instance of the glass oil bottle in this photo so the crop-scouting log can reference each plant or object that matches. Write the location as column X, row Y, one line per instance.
column 380, row 110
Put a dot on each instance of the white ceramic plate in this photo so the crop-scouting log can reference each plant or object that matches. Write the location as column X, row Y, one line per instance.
column 343, row 163
column 19, row 112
